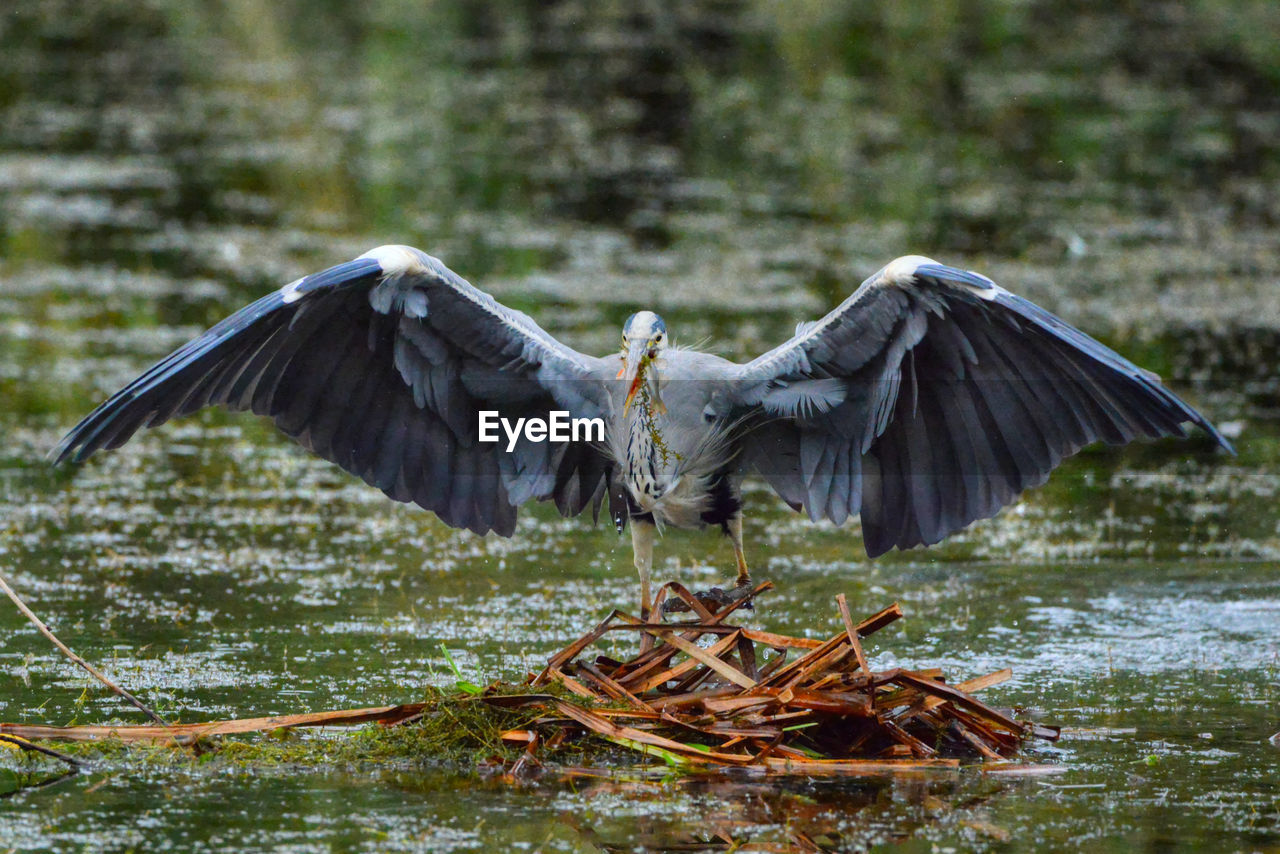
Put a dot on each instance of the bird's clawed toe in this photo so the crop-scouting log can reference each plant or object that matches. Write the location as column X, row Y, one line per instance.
column 714, row 599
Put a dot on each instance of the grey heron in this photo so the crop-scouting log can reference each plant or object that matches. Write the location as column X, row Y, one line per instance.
column 930, row 398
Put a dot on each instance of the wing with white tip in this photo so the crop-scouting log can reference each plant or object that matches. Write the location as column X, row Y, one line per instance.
column 382, row 365
column 931, row 398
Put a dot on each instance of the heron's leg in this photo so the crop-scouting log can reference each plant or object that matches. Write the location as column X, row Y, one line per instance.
column 734, row 527
column 715, row 596
column 642, row 534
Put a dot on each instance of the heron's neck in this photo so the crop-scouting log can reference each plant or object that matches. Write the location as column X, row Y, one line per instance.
column 646, row 428
column 646, row 455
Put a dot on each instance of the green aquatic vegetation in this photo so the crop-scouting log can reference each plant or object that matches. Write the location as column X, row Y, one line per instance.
column 454, row 728
column 649, row 408
column 462, row 684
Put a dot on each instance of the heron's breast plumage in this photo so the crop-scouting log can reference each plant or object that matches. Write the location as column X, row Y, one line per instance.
column 657, row 473
column 669, row 460
column 640, row 462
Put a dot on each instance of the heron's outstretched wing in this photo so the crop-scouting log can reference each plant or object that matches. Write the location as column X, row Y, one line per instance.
column 931, row 398
column 381, row 365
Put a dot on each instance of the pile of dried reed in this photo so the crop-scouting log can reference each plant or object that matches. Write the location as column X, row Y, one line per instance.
column 702, row 692
column 706, row 692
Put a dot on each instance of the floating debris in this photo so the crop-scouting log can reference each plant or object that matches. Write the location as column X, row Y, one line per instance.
column 702, row 693
column 707, row 692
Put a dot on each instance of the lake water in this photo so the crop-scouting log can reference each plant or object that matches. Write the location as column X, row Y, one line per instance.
column 737, row 167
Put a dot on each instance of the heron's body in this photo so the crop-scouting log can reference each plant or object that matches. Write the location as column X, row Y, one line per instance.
column 930, row 398
column 677, row 458
column 669, row 455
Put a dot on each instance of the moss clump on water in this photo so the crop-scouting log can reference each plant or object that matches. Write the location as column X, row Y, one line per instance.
column 454, row 728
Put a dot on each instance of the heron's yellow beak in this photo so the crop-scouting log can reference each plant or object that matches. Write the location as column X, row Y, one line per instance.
column 631, row 393
column 633, row 371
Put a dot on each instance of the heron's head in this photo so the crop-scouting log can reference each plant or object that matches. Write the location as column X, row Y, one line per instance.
column 644, row 337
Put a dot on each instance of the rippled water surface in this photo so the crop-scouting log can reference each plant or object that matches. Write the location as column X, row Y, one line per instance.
column 738, row 166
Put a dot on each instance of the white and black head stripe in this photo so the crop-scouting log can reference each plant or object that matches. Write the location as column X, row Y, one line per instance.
column 644, row 324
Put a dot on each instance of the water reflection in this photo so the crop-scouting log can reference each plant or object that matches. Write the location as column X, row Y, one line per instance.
column 634, row 810
column 15, row 783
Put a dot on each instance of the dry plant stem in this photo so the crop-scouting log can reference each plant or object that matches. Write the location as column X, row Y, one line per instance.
column 44, row 630
column 190, row 733
column 852, row 630
column 23, row 743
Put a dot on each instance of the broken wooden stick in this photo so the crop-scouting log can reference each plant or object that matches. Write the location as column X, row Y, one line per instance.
column 65, row 650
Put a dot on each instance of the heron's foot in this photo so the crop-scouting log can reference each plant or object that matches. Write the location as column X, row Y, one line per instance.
column 713, row 599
